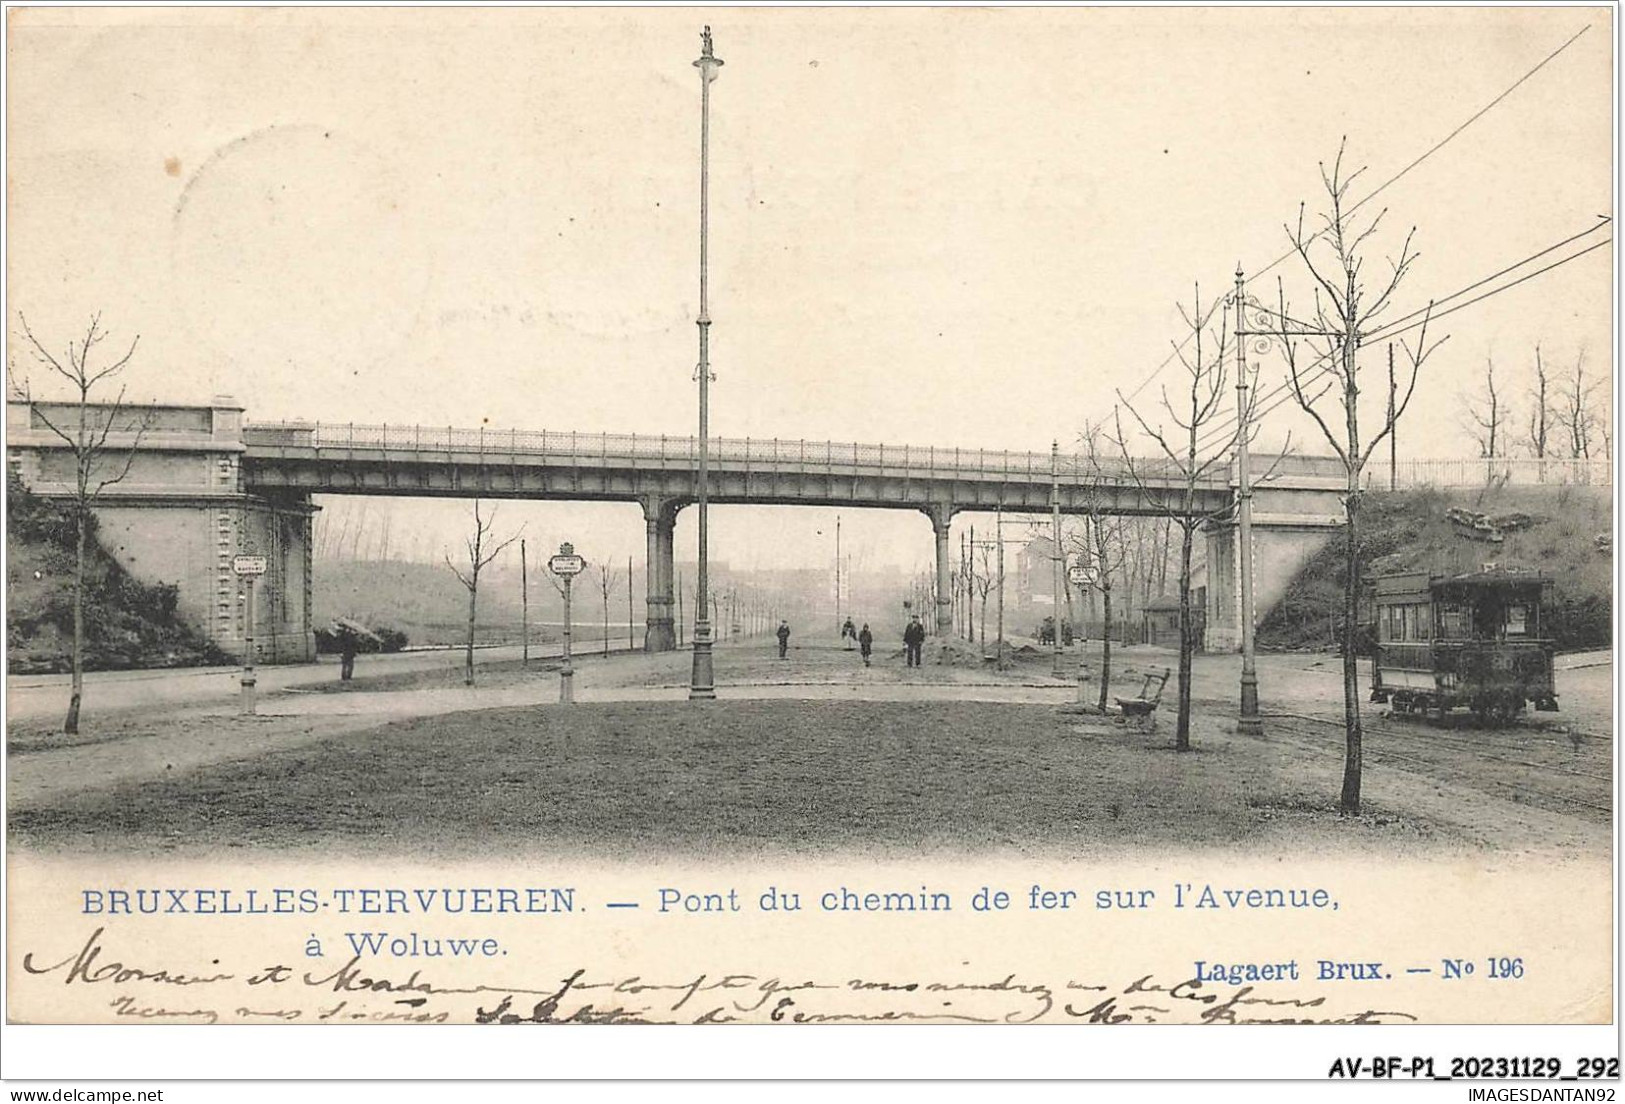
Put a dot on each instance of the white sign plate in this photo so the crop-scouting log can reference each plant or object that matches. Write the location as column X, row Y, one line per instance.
column 1078, row 575
column 248, row 565
column 567, row 565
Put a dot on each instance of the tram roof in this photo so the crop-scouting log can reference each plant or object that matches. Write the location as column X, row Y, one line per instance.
column 1495, row 577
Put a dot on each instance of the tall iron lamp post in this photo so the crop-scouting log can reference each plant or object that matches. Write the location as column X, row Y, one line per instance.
column 1250, row 722
column 702, row 684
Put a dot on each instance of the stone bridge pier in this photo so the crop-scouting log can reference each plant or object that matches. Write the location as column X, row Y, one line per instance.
column 1286, row 533
column 660, row 522
column 942, row 516
column 183, row 513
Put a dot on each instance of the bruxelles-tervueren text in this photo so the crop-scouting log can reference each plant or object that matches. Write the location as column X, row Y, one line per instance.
column 274, row 901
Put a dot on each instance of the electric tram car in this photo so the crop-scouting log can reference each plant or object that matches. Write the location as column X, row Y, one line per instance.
column 1473, row 641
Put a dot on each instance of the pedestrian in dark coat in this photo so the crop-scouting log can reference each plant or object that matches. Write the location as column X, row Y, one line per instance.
column 348, row 645
column 784, row 638
column 913, row 639
column 866, row 643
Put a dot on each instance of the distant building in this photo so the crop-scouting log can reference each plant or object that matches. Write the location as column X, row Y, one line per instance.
column 1161, row 620
column 1033, row 584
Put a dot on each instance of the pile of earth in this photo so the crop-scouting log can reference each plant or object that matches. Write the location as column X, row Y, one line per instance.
column 1550, row 530
column 127, row 623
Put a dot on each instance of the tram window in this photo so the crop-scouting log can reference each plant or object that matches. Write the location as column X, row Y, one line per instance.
column 1421, row 622
column 1405, row 622
column 1453, row 622
column 1391, row 630
column 1517, row 620
column 1409, row 622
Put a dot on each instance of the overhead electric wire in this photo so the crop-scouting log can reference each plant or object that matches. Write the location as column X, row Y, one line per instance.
column 1318, row 368
column 1388, row 329
column 1435, row 148
column 1287, row 392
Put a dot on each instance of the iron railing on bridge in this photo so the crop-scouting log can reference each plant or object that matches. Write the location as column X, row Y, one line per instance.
column 798, row 454
column 1501, row 471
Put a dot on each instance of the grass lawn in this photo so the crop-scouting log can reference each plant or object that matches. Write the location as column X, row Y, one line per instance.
column 730, row 778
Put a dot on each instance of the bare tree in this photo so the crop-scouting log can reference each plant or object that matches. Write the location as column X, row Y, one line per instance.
column 337, row 551
column 1173, row 481
column 383, row 537
column 1488, row 415
column 967, row 575
column 1346, row 310
column 1165, row 554
column 1102, row 546
column 608, row 577
column 1575, row 414
column 1539, row 413
column 482, row 547
column 360, row 531
column 983, row 581
column 95, row 468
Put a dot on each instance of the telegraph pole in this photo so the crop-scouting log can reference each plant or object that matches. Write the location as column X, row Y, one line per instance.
column 1249, row 722
column 1057, row 556
column 971, row 634
column 1393, row 431
column 702, row 682
column 838, row 622
column 999, row 525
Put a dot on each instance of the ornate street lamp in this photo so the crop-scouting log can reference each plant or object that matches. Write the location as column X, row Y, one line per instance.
column 1261, row 332
column 702, row 684
column 1248, row 722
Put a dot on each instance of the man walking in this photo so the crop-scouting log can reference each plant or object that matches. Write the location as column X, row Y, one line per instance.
column 866, row 643
column 913, row 639
column 784, row 638
column 348, row 646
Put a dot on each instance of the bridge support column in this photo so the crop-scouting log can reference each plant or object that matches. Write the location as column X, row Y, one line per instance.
column 660, row 522
column 942, row 515
column 1281, row 547
column 1223, row 591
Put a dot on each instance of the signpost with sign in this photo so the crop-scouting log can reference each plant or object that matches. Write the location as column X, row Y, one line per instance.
column 566, row 565
column 248, row 568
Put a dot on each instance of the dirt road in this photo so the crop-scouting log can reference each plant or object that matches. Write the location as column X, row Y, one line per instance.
column 1538, row 786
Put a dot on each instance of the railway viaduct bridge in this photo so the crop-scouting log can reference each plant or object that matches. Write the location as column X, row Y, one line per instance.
column 205, row 484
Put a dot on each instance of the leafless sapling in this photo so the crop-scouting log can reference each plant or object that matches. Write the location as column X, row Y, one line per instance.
column 608, row 577
column 1488, row 415
column 482, row 547
column 1347, row 306
column 1540, row 412
column 86, row 431
column 1103, row 540
column 1576, row 413
column 1186, row 459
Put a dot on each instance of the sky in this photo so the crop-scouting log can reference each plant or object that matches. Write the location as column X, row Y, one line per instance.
column 941, row 227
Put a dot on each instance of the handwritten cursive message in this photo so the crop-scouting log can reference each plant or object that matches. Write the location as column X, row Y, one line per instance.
column 100, row 980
